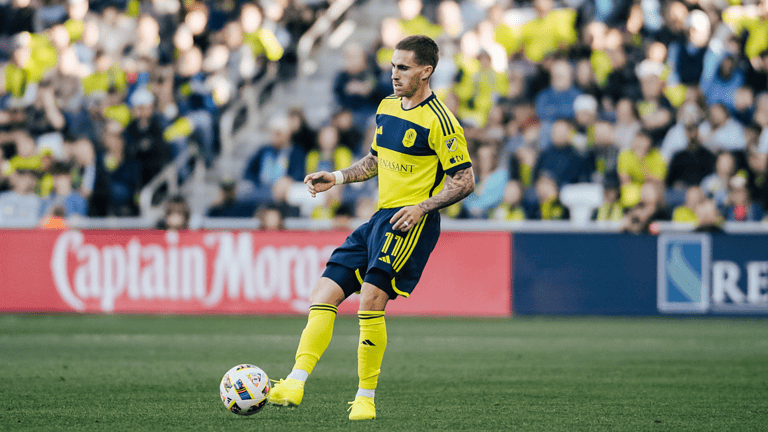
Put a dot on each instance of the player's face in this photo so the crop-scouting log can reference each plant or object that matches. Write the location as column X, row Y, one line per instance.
column 407, row 75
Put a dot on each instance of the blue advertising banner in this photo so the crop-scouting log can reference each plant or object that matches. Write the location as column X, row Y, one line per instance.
column 589, row 274
column 720, row 274
column 617, row 274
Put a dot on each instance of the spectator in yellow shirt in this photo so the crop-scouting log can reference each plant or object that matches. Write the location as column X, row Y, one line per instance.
column 638, row 164
column 686, row 213
column 550, row 31
column 413, row 23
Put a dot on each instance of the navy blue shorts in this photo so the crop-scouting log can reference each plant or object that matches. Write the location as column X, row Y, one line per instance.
column 390, row 260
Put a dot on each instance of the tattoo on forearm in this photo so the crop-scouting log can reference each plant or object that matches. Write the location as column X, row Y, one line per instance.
column 456, row 188
column 362, row 170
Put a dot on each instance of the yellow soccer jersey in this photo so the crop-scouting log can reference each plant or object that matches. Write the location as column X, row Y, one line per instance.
column 416, row 148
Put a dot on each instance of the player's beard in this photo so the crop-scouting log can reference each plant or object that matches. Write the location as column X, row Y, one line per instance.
column 407, row 92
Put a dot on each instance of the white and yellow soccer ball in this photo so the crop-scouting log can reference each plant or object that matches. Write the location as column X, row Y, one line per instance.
column 244, row 389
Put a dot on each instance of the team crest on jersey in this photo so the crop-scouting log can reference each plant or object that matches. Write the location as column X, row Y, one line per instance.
column 410, row 138
column 451, row 144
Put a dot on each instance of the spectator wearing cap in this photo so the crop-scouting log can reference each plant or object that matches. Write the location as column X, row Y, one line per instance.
column 585, row 109
column 740, row 206
column 20, row 207
column 689, row 166
column 655, row 111
column 686, row 58
column 64, row 195
column 275, row 161
column 721, row 131
column 144, row 136
column 561, row 161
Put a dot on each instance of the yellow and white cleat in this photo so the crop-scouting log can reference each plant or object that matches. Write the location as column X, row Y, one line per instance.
column 287, row 392
column 362, row 408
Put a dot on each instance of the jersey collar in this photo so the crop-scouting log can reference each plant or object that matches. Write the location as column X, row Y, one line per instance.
column 422, row 103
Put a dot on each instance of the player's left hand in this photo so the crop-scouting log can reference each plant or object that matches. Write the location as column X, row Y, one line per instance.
column 406, row 218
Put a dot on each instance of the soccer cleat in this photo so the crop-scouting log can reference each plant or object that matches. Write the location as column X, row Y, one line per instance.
column 287, row 392
column 362, row 408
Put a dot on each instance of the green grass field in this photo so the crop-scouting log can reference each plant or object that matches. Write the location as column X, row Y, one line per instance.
column 129, row 373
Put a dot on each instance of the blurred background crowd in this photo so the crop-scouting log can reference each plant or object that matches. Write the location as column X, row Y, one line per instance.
column 661, row 106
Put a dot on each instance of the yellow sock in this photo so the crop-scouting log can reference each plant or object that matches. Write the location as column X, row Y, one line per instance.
column 370, row 352
column 316, row 336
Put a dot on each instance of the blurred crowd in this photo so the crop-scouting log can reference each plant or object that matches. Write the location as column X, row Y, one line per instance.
column 662, row 103
column 98, row 97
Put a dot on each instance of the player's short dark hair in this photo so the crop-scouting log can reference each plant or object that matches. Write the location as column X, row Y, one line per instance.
column 423, row 47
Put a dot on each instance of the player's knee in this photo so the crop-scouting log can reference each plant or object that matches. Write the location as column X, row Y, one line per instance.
column 372, row 298
column 327, row 291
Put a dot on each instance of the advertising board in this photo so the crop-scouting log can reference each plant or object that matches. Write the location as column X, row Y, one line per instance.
column 114, row 271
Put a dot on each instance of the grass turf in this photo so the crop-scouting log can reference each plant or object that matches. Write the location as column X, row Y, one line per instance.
column 162, row 373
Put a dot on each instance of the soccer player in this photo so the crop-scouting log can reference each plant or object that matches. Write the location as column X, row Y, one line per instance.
column 420, row 156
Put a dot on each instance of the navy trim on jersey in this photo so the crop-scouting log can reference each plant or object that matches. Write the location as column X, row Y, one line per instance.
column 374, row 152
column 395, row 128
column 447, row 117
column 459, row 167
column 439, row 117
column 439, row 174
column 424, row 102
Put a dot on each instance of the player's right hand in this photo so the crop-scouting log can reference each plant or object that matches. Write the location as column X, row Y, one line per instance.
column 319, row 182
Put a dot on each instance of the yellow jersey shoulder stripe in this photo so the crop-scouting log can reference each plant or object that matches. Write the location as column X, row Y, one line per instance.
column 444, row 111
column 439, row 117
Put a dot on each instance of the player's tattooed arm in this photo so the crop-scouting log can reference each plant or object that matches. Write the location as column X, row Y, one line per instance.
column 457, row 187
column 362, row 170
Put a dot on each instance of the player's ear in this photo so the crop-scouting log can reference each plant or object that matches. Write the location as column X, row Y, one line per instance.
column 426, row 73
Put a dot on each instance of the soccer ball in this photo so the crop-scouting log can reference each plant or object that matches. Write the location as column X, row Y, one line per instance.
column 244, row 389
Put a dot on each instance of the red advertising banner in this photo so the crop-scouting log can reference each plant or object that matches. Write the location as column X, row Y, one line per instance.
column 246, row 272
